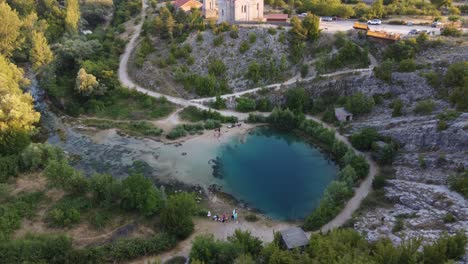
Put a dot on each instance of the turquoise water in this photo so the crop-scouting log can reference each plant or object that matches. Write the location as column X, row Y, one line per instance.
column 277, row 173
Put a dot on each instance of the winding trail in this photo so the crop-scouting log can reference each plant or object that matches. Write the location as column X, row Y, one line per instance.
column 204, row 226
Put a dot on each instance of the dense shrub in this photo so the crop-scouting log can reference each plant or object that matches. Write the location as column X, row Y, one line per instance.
column 209, row 251
column 212, row 124
column 36, row 156
column 363, row 139
column 407, row 65
column 130, row 248
column 194, row 114
column 177, row 132
column 244, row 47
column 336, row 194
column 455, row 79
column 9, row 167
column 459, row 183
column 61, row 175
column 284, row 119
column 139, row 193
column 350, row 56
column 358, row 103
column 13, row 210
column 46, row 248
column 384, row 71
column 67, row 211
column 245, row 104
column 424, row 107
column 297, row 100
column 397, row 108
column 451, row 31
column 176, row 217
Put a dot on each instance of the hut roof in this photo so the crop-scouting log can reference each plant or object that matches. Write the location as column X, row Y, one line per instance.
column 294, row 237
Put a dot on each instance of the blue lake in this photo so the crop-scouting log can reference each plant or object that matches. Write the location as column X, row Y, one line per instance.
column 277, row 173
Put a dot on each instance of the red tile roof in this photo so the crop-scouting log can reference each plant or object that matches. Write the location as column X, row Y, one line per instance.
column 179, row 3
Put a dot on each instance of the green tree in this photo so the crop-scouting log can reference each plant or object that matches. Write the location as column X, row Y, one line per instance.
column 138, row 193
column 9, row 30
column 358, row 103
column 311, row 26
column 377, row 9
column 348, row 175
column 72, row 16
column 105, row 189
column 40, row 52
column 249, row 244
column 176, row 217
column 364, row 138
column 297, row 100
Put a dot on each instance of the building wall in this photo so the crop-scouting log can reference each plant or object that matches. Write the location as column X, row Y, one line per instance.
column 210, row 8
column 240, row 10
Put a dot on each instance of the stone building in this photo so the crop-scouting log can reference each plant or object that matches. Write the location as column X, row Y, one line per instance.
column 233, row 10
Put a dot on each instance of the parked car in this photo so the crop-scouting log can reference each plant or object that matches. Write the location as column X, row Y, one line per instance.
column 374, row 22
column 436, row 24
column 302, row 15
column 414, row 32
column 327, row 18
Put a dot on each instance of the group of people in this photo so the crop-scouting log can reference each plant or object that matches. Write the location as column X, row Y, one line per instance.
column 223, row 218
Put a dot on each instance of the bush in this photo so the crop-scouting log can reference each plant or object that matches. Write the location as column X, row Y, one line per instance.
column 397, row 107
column 67, row 212
column 459, row 183
column 9, row 167
column 304, row 70
column 252, row 37
column 384, row 71
column 36, row 156
column 253, row 118
column 218, row 41
column 334, row 198
column 139, row 193
column 364, row 138
column 176, row 217
column 425, row 107
column 407, row 65
column 194, row 114
column 206, row 250
column 177, row 132
column 45, row 248
column 61, row 175
column 13, row 210
column 284, row 119
column 244, row 47
column 272, row 31
column 216, row 67
column 131, row 248
column 379, row 182
column 245, row 104
column 399, row 225
column 358, row 103
column 449, row 218
column 212, row 124
column 451, row 31
column 297, row 100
